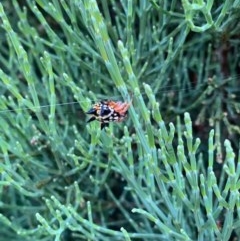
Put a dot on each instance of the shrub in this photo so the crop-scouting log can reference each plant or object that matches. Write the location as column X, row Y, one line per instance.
column 143, row 179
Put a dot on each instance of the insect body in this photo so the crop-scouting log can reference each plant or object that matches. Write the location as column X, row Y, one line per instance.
column 108, row 111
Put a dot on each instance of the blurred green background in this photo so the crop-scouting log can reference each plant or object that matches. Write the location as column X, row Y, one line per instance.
column 63, row 179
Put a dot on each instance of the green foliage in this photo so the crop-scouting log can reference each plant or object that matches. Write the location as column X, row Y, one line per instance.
column 63, row 179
